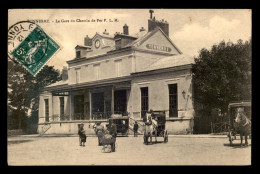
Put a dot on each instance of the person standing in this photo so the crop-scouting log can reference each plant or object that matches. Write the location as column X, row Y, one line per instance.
column 135, row 129
column 113, row 130
column 99, row 132
column 82, row 135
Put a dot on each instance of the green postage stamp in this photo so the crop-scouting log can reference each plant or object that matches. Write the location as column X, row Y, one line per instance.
column 30, row 45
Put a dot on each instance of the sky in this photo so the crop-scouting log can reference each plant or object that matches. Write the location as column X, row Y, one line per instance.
column 189, row 29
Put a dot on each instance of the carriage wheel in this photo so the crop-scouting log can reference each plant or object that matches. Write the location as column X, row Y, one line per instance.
column 165, row 137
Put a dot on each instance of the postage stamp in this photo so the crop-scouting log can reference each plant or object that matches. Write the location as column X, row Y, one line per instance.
column 30, row 46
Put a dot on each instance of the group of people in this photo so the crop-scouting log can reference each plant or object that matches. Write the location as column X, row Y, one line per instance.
column 99, row 130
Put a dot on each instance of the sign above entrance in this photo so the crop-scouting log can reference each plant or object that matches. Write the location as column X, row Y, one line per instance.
column 158, row 47
column 60, row 94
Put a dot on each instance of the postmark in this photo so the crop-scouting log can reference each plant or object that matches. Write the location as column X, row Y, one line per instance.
column 30, row 46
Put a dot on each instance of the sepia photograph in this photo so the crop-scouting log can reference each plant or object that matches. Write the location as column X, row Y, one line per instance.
column 129, row 87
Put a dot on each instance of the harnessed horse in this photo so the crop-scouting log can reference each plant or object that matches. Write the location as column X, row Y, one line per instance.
column 243, row 126
column 150, row 128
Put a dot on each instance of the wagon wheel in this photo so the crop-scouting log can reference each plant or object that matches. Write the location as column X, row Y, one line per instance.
column 165, row 136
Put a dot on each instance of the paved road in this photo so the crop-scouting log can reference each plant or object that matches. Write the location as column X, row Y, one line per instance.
column 180, row 150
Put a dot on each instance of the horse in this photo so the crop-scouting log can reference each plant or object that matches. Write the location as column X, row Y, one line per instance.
column 243, row 126
column 99, row 130
column 150, row 128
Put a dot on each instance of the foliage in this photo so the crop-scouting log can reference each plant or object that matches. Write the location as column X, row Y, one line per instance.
column 24, row 90
column 222, row 75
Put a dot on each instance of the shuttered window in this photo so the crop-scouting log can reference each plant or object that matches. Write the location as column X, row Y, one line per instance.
column 173, row 100
column 46, row 101
column 144, row 101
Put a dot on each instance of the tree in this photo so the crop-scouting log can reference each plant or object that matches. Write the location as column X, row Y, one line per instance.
column 24, row 90
column 17, row 91
column 223, row 74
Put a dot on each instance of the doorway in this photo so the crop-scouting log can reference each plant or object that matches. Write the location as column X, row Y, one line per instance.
column 97, row 102
column 120, row 102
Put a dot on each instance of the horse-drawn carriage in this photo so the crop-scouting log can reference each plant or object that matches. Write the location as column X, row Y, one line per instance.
column 122, row 124
column 239, row 114
column 155, row 122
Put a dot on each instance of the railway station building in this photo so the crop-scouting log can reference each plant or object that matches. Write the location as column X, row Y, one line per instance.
column 122, row 74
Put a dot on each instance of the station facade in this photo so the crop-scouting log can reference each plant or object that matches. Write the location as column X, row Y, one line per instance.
column 122, row 74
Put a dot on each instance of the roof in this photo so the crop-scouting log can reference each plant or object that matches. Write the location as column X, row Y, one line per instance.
column 143, row 36
column 140, row 36
column 170, row 61
column 103, row 35
column 62, row 82
column 82, row 46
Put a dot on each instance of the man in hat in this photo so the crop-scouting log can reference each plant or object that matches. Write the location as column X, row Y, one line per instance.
column 135, row 129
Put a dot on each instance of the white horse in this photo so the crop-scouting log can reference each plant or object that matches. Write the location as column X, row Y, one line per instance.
column 150, row 128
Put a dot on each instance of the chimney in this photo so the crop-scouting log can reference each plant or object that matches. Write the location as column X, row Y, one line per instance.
column 142, row 29
column 64, row 73
column 125, row 30
column 153, row 23
column 151, row 14
column 87, row 41
column 105, row 32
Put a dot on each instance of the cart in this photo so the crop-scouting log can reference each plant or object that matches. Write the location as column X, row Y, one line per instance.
column 108, row 142
column 122, row 124
column 232, row 128
column 161, row 131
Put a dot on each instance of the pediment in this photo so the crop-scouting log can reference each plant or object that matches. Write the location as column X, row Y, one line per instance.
column 159, row 42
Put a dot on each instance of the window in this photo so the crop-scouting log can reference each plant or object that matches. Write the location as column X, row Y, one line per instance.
column 46, row 101
column 97, row 106
column 62, row 108
column 173, row 100
column 77, row 54
column 96, row 70
column 118, row 67
column 97, row 102
column 144, row 101
column 79, row 107
column 77, row 76
column 120, row 101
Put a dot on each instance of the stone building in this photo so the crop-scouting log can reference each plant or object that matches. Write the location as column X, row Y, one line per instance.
column 122, row 74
